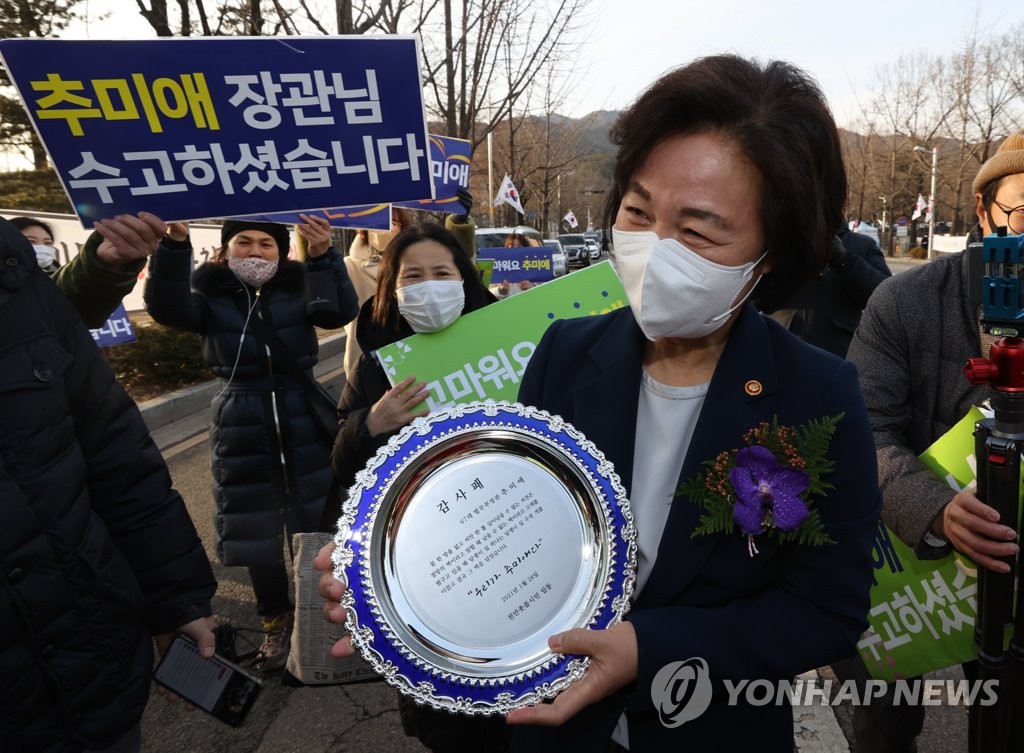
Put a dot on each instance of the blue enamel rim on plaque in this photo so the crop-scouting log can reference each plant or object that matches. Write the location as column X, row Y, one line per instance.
column 412, row 657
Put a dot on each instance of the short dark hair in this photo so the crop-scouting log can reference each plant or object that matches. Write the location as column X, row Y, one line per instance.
column 23, row 222
column 777, row 116
column 385, row 302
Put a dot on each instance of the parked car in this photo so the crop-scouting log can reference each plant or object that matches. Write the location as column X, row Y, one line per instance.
column 593, row 248
column 494, row 237
column 575, row 246
column 559, row 259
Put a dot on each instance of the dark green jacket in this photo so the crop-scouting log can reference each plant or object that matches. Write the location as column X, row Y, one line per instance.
column 94, row 288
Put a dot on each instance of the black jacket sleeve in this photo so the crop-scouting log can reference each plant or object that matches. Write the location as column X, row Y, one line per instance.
column 130, row 488
column 331, row 300
column 860, row 266
column 353, row 446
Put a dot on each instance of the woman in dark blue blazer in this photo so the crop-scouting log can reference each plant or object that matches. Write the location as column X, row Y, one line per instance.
column 728, row 184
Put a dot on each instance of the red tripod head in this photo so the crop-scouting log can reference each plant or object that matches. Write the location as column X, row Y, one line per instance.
column 1004, row 367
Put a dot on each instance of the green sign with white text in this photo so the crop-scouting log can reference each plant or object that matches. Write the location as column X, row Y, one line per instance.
column 923, row 611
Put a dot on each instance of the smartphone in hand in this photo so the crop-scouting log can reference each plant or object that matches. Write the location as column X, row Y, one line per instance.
column 215, row 685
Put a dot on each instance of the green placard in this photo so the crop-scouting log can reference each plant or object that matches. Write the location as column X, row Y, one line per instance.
column 486, row 267
column 923, row 611
column 484, row 354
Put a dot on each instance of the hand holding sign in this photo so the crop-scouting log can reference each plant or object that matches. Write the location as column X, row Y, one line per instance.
column 129, row 237
column 395, row 408
column 317, row 232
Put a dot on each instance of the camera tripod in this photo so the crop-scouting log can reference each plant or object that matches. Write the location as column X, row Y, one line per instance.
column 998, row 443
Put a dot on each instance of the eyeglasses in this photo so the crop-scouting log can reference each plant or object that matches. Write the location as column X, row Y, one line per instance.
column 1014, row 218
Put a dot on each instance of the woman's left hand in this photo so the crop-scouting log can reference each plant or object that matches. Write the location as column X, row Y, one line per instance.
column 128, row 237
column 198, row 630
column 396, row 407
column 317, row 232
column 613, row 665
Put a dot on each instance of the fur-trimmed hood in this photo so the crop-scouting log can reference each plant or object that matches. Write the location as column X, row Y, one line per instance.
column 212, row 278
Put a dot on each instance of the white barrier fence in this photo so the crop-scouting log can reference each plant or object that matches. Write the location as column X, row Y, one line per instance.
column 949, row 244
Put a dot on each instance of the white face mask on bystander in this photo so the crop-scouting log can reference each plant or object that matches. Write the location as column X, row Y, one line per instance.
column 432, row 305
column 676, row 292
column 44, row 255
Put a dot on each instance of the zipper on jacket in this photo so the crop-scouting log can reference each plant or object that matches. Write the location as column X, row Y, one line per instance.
column 273, row 404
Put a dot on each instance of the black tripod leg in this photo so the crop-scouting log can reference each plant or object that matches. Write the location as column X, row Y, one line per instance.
column 998, row 460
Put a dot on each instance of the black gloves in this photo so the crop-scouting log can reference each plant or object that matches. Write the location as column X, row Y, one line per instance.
column 466, row 200
column 836, row 254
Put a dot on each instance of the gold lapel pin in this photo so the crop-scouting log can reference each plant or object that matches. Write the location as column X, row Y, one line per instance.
column 753, row 387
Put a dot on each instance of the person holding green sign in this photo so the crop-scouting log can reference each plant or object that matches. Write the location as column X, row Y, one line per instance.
column 425, row 282
column 363, row 260
column 918, row 331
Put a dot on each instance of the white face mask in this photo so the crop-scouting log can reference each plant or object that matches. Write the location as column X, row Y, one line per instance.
column 673, row 291
column 252, row 270
column 44, row 255
column 432, row 305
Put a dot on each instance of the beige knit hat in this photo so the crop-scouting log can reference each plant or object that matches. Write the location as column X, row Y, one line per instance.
column 1008, row 160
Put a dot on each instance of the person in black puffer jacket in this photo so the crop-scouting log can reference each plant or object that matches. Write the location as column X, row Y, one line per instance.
column 98, row 551
column 826, row 312
column 270, row 461
column 426, row 281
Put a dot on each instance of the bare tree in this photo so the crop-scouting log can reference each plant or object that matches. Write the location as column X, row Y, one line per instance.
column 909, row 109
column 28, row 18
column 156, row 16
column 961, row 104
column 469, row 52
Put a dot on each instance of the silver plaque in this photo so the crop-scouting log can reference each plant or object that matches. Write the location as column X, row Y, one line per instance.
column 471, row 537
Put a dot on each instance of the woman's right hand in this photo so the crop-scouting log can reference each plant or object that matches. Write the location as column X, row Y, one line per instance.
column 332, row 590
column 395, row 408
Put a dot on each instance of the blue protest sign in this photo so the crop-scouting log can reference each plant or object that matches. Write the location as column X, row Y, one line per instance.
column 518, row 264
column 369, row 217
column 191, row 128
column 117, row 330
column 449, row 165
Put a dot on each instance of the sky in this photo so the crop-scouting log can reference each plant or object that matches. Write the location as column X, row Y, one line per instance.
column 623, row 45
column 841, row 44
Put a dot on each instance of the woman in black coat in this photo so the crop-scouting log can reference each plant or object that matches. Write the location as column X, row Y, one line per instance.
column 370, row 410
column 269, row 464
column 425, row 282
